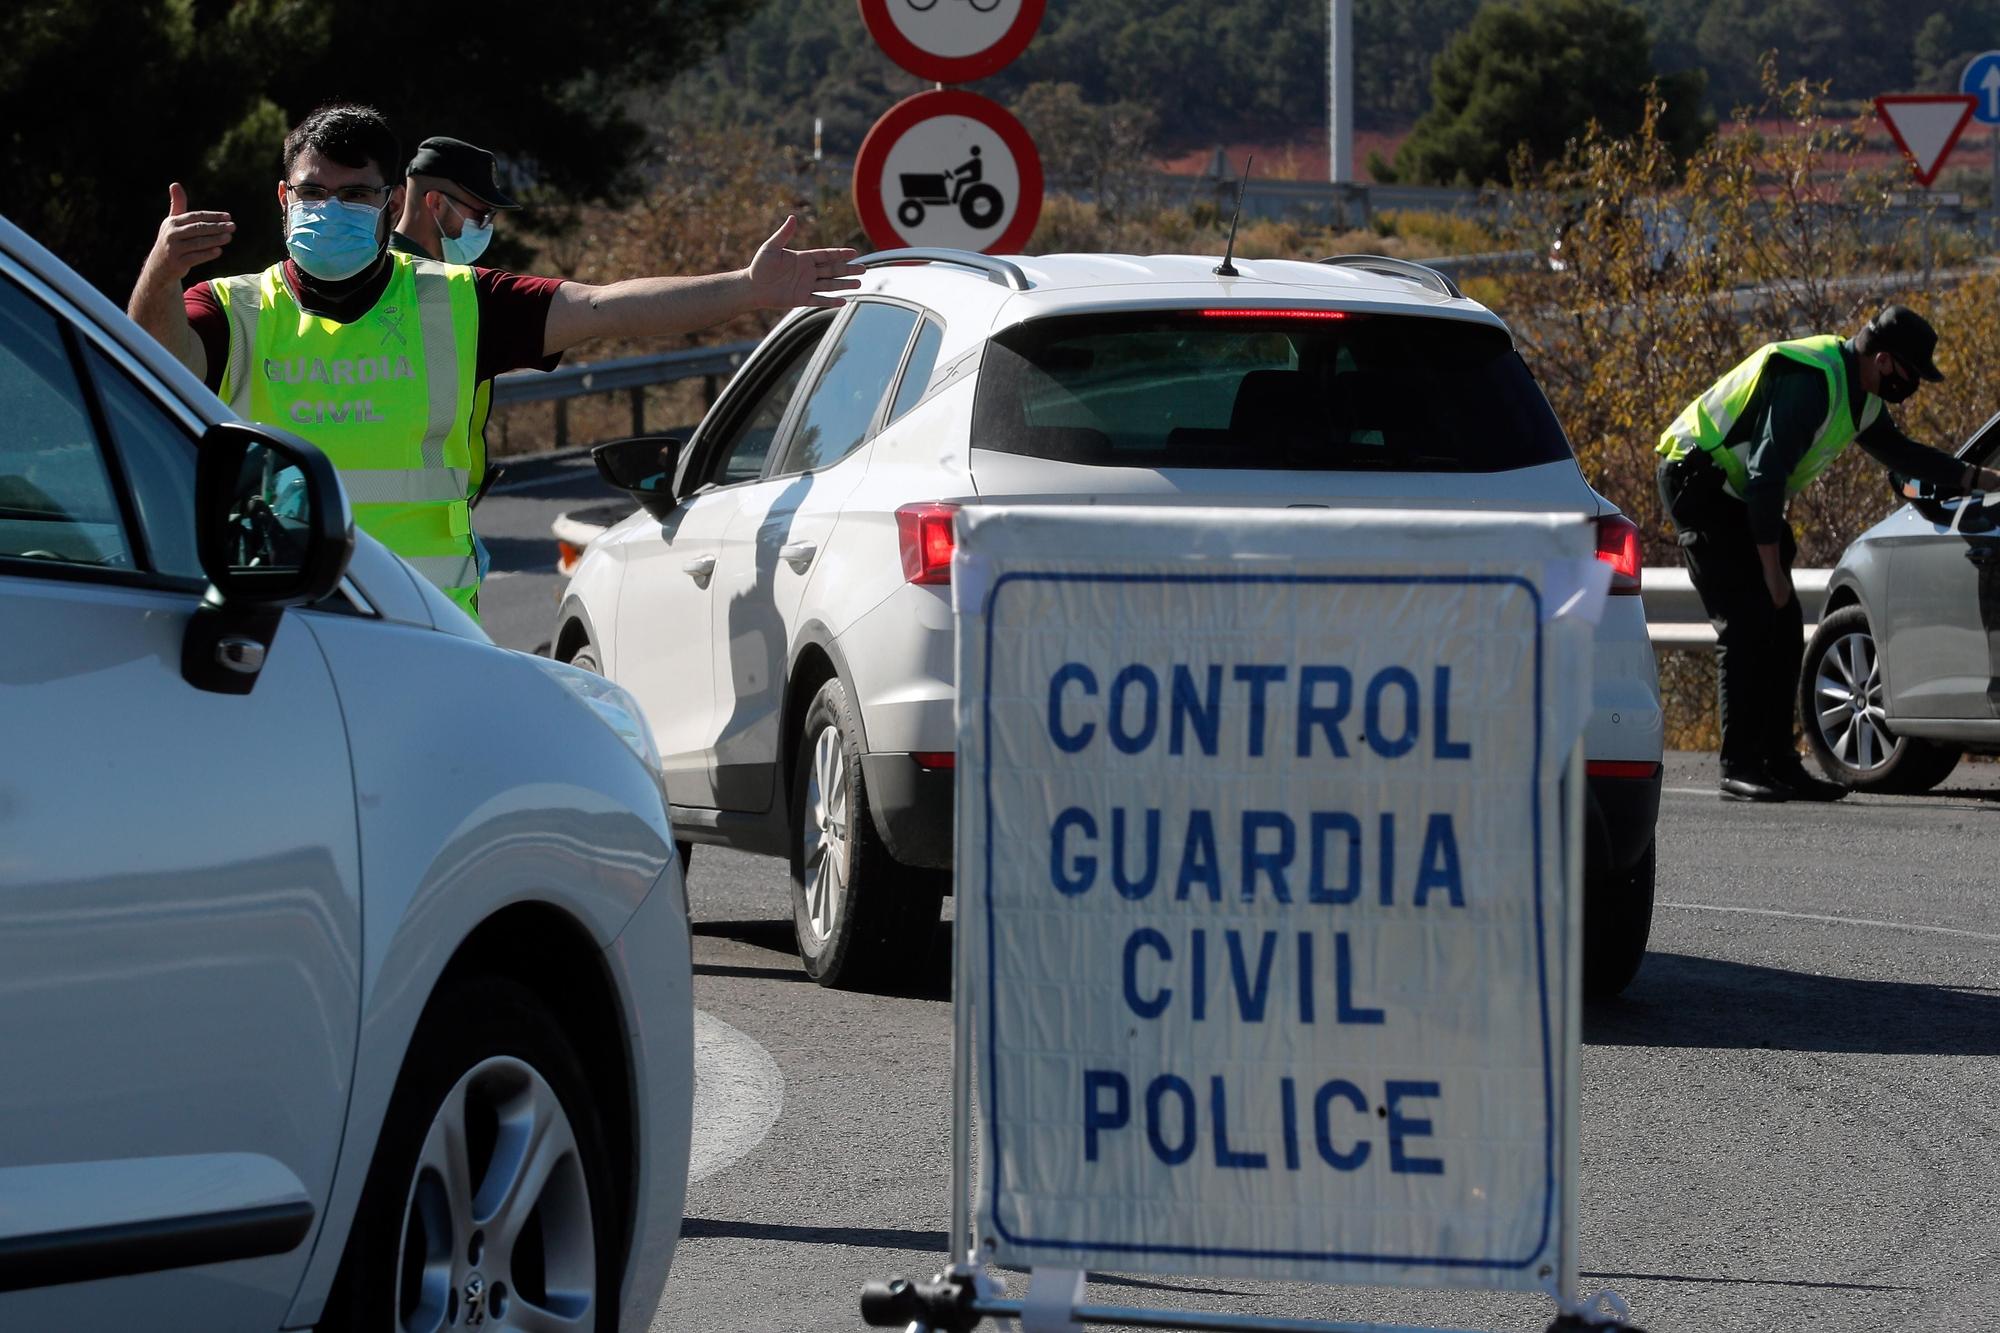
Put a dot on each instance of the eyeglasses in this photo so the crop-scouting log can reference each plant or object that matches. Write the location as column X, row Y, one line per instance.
column 478, row 217
column 367, row 196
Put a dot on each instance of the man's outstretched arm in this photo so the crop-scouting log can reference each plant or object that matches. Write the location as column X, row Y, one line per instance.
column 777, row 279
column 185, row 240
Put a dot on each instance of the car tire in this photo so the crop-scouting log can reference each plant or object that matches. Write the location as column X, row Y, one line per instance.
column 489, row 1065
column 1841, row 697
column 860, row 916
column 1617, row 920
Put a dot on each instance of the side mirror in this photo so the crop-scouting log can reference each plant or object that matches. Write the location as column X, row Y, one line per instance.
column 643, row 467
column 272, row 529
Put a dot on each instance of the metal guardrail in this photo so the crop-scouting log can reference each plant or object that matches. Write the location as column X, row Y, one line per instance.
column 1674, row 617
column 627, row 374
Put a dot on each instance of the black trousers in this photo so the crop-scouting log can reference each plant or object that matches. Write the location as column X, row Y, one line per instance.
column 1758, row 647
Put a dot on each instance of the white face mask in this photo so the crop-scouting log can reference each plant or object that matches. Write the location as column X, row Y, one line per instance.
column 471, row 241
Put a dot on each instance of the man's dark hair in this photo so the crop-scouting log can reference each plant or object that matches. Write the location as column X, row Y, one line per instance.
column 349, row 133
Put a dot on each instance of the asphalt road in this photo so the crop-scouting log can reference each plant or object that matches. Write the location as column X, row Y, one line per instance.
column 1792, row 1117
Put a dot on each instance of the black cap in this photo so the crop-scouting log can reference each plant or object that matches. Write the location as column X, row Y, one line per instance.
column 467, row 167
column 1907, row 336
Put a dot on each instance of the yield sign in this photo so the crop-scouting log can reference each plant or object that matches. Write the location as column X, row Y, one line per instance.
column 1925, row 127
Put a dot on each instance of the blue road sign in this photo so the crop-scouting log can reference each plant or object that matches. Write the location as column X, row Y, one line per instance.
column 1982, row 80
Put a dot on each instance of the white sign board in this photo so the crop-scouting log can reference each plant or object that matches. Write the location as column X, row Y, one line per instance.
column 1266, row 892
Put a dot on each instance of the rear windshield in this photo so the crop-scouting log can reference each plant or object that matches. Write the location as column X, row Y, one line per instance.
column 1323, row 391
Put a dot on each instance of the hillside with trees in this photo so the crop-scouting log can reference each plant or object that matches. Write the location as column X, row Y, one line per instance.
column 1208, row 71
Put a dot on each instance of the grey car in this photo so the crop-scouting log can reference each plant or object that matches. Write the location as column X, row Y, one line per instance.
column 1902, row 676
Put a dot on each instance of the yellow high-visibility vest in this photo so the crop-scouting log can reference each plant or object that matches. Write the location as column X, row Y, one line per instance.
column 391, row 398
column 1706, row 422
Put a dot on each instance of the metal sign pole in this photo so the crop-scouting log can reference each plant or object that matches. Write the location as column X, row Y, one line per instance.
column 1993, row 182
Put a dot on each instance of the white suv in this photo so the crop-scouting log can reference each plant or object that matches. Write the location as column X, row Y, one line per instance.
column 780, row 604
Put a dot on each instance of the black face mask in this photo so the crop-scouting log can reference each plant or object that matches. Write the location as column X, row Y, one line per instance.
column 1895, row 388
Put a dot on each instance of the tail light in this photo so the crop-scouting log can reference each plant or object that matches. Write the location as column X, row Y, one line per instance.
column 1251, row 312
column 1620, row 768
column 924, row 532
column 1618, row 547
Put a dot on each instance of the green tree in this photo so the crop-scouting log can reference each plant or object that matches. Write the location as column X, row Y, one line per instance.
column 106, row 101
column 1535, row 74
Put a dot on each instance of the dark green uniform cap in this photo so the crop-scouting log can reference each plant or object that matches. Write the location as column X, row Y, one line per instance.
column 1907, row 336
column 469, row 168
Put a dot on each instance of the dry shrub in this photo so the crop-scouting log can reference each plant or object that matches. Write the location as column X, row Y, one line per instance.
column 719, row 195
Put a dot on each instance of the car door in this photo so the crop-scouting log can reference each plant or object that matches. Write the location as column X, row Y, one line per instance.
column 663, row 654
column 774, row 540
column 1941, row 648
column 179, row 882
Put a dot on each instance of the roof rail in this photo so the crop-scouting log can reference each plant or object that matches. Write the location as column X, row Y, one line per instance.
column 996, row 270
column 1399, row 268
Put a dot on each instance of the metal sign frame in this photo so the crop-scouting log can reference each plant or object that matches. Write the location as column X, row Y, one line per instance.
column 1055, row 1296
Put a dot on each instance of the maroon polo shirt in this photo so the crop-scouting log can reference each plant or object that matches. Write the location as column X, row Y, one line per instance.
column 513, row 316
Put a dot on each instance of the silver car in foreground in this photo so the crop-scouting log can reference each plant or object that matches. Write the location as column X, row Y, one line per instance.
column 1902, row 676
column 344, row 975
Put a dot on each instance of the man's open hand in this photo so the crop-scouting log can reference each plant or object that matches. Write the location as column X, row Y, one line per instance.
column 782, row 278
column 187, row 239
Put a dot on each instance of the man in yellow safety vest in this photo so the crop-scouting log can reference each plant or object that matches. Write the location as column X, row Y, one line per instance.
column 1728, row 464
column 381, row 358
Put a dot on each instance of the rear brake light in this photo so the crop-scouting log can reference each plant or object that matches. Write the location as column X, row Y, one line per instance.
column 924, row 533
column 1618, row 547
column 935, row 758
column 1620, row 768
column 1237, row 312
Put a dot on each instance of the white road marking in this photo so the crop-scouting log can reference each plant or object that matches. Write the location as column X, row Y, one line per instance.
column 738, row 1095
column 1836, row 920
column 1688, row 791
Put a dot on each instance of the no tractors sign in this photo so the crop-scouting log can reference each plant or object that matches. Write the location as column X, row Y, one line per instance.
column 949, row 168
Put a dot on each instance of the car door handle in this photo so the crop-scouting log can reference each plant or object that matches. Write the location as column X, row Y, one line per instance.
column 700, row 568
column 798, row 554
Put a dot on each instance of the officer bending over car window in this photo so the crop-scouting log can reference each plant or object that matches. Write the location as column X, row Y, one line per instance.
column 1729, row 463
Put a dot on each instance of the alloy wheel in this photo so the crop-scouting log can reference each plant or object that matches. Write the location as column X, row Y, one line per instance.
column 826, row 834
column 497, row 1232
column 1847, row 704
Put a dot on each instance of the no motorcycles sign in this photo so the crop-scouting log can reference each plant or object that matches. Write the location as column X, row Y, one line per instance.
column 952, row 41
column 949, row 168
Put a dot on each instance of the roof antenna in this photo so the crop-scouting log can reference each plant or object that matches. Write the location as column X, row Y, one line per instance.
column 1225, row 268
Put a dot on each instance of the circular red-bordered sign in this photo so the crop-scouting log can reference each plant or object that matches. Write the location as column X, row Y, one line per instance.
column 953, row 41
column 949, row 168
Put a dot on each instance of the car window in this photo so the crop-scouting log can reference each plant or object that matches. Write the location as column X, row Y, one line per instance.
column 747, row 443
column 917, row 374
column 842, row 405
column 56, row 497
column 159, row 467
column 1317, row 390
